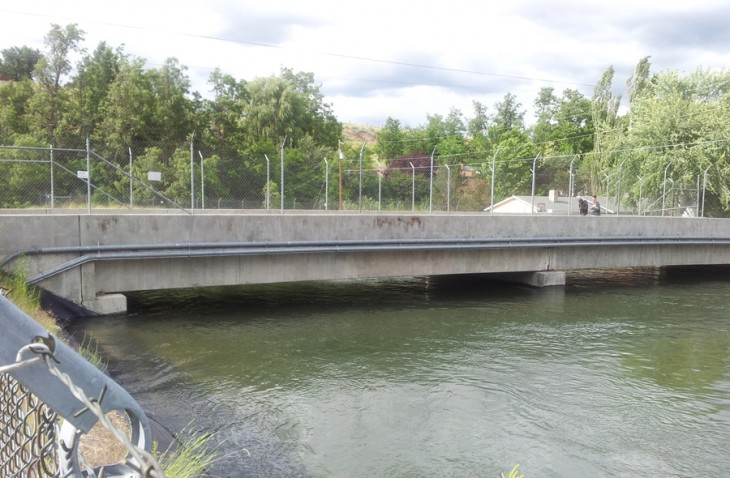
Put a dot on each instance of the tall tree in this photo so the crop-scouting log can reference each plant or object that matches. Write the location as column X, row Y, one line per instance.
column 172, row 118
column 508, row 116
column 447, row 135
column 574, row 124
column 224, row 110
column 564, row 128
column 681, row 126
column 390, row 140
column 270, row 113
column 320, row 120
column 640, row 82
column 605, row 110
column 288, row 106
column 477, row 126
column 478, row 129
column 18, row 63
column 513, row 166
column 14, row 119
column 129, row 110
column 89, row 89
column 49, row 105
column 546, row 110
column 608, row 131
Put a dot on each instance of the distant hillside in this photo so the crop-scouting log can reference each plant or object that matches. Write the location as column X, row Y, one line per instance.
column 356, row 133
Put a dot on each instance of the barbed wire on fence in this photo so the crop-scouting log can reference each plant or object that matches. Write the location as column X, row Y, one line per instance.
column 187, row 180
column 27, row 431
column 31, row 444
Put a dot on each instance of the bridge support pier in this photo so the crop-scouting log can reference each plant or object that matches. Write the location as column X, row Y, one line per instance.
column 107, row 304
column 536, row 278
column 94, row 300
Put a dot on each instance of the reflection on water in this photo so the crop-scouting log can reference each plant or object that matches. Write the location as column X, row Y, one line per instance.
column 617, row 374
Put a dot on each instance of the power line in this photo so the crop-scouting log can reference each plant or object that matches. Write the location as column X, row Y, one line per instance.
column 329, row 54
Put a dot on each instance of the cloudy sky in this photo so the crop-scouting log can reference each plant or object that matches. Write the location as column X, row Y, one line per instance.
column 398, row 58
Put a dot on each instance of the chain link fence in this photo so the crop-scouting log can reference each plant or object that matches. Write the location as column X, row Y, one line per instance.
column 27, row 433
column 51, row 398
column 186, row 178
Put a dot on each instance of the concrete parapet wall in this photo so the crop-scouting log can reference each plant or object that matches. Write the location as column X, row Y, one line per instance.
column 95, row 280
column 23, row 231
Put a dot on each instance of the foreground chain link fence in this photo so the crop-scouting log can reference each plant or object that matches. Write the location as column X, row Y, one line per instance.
column 51, row 398
column 184, row 178
column 27, row 432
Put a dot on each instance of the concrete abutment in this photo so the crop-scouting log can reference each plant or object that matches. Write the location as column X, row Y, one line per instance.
column 536, row 278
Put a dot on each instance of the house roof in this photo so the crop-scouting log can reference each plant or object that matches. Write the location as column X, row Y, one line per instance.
column 543, row 205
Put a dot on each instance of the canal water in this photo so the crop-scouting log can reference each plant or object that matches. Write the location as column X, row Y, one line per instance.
column 618, row 374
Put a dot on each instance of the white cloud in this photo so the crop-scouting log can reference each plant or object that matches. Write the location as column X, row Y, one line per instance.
column 364, row 55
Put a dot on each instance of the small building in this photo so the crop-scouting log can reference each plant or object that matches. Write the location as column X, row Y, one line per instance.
column 469, row 172
column 554, row 203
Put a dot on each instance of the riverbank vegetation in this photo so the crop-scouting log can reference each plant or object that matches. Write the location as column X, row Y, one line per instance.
column 191, row 458
column 191, row 455
column 27, row 298
column 672, row 127
column 514, row 473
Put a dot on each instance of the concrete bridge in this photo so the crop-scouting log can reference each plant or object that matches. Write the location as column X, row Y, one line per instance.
column 93, row 259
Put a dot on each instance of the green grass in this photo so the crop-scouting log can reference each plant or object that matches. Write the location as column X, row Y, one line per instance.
column 89, row 350
column 190, row 458
column 514, row 473
column 26, row 297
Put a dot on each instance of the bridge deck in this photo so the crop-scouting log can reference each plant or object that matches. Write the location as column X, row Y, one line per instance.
column 85, row 258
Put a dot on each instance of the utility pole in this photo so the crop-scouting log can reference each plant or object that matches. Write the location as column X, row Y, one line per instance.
column 342, row 156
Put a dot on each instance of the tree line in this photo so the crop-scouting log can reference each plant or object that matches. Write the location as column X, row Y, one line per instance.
column 672, row 125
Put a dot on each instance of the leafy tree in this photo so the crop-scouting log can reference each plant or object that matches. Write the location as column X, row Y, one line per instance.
column 397, row 186
column 546, row 110
column 389, row 140
column 14, row 103
column 513, row 166
column 49, row 104
column 574, row 124
column 90, row 88
column 319, row 120
column 564, row 128
column 508, row 117
column 304, row 174
column 172, row 109
column 454, row 124
column 27, row 183
column 270, row 113
column 608, row 130
column 605, row 104
column 478, row 126
column 18, row 63
column 61, row 42
column 176, row 177
column 640, row 81
column 446, row 134
column 129, row 110
column 416, row 140
column 221, row 130
column 288, row 106
column 681, row 125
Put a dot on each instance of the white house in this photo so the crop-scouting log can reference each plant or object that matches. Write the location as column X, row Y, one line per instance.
column 551, row 204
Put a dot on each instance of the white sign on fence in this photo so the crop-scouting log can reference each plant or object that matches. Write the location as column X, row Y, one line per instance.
column 154, row 176
column 82, row 174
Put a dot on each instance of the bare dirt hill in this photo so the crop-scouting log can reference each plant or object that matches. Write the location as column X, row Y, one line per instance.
column 357, row 133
